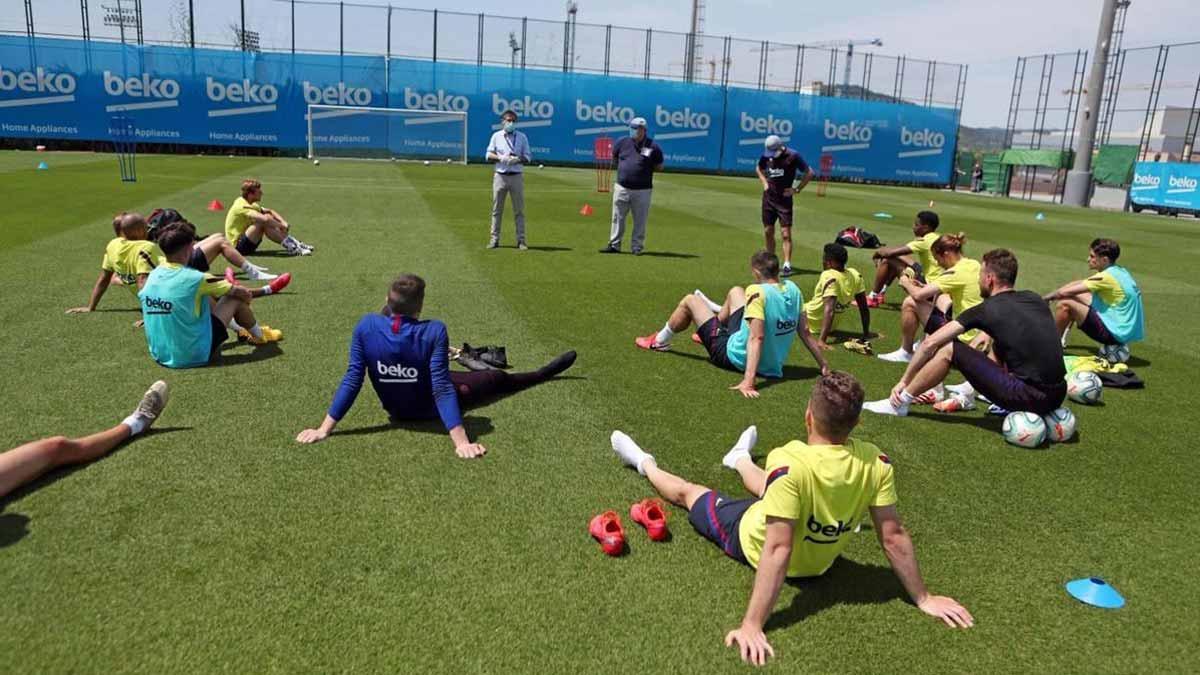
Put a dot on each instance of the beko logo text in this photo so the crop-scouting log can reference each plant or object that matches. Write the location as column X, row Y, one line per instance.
column 923, row 138
column 603, row 113
column 681, row 119
column 523, row 107
column 39, row 81
column 438, row 100
column 1184, row 182
column 338, row 94
column 766, row 125
column 397, row 371
column 1145, row 180
column 847, row 132
column 246, row 91
column 144, row 86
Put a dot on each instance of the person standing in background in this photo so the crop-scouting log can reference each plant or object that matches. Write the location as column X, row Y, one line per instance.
column 977, row 178
column 509, row 149
column 783, row 173
column 635, row 159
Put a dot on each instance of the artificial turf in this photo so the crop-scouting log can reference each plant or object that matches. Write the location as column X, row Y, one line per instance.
column 218, row 543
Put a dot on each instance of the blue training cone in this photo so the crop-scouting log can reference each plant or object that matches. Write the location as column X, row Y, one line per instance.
column 42, row 166
column 1095, row 592
column 1040, row 216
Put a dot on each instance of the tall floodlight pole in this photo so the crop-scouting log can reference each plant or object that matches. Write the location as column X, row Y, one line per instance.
column 1078, row 190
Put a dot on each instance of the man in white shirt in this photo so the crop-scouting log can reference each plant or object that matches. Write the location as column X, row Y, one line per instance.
column 509, row 149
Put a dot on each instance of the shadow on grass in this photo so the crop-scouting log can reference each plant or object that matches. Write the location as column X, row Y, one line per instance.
column 667, row 254
column 476, row 427
column 989, row 422
column 551, row 249
column 115, row 310
column 14, row 527
column 790, row 372
column 846, row 583
column 267, row 351
column 272, row 253
column 1082, row 350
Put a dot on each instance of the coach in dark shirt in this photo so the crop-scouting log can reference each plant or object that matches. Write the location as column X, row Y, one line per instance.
column 777, row 170
column 635, row 159
column 1030, row 375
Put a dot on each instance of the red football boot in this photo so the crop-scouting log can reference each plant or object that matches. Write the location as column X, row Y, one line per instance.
column 607, row 530
column 229, row 276
column 696, row 339
column 280, row 282
column 649, row 514
column 651, row 342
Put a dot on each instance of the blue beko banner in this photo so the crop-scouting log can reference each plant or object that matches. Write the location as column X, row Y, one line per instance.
column 1171, row 184
column 70, row 89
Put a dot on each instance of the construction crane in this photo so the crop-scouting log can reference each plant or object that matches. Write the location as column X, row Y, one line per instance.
column 849, row 45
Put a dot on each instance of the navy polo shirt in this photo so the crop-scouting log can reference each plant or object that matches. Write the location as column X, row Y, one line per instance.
column 635, row 162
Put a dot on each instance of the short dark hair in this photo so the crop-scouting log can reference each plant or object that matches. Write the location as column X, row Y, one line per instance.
column 836, row 402
column 509, row 113
column 928, row 219
column 1106, row 248
column 836, row 253
column 1003, row 264
column 407, row 295
column 766, row 263
column 174, row 237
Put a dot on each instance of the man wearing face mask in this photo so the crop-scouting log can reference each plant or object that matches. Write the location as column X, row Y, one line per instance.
column 777, row 170
column 509, row 149
column 635, row 159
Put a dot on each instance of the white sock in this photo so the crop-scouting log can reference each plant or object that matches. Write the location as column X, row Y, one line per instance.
column 745, row 443
column 233, row 325
column 906, row 398
column 289, row 242
column 664, row 336
column 629, row 452
column 964, row 389
column 136, row 424
column 711, row 305
column 255, row 330
column 247, row 267
column 266, row 290
column 787, row 264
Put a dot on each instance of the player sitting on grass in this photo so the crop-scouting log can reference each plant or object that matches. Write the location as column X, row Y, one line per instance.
column 407, row 360
column 1106, row 306
column 1028, row 373
column 837, row 288
column 26, row 462
column 809, row 499
column 916, row 255
column 248, row 221
column 752, row 332
column 208, row 248
column 957, row 277
column 184, row 328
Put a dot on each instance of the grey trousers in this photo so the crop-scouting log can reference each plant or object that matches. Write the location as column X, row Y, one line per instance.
column 624, row 201
column 508, row 185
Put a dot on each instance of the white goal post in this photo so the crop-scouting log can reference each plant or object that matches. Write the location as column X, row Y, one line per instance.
column 351, row 132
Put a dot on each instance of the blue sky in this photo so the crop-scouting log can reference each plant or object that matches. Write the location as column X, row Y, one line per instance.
column 986, row 35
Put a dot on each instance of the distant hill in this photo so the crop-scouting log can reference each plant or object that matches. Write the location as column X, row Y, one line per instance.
column 987, row 139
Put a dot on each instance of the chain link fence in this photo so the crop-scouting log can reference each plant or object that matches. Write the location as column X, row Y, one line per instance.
column 321, row 26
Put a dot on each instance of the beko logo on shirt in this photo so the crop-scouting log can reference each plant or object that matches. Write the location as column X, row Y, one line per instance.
column 39, row 81
column 607, row 112
column 140, row 86
column 835, row 531
column 527, row 107
column 336, row 94
column 785, row 326
column 158, row 305
column 244, row 91
column 765, row 125
column 438, row 100
column 396, row 372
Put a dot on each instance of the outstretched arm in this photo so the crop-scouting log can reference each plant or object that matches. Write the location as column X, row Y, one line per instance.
column 891, row 252
column 813, row 347
column 753, row 356
column 346, row 393
column 772, row 571
column 97, row 292
column 1068, row 291
column 898, row 547
column 446, row 398
column 827, row 322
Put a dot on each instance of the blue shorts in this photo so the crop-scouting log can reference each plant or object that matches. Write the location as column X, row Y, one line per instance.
column 717, row 518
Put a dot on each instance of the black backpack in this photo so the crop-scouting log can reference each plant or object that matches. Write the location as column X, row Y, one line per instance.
column 857, row 237
column 160, row 218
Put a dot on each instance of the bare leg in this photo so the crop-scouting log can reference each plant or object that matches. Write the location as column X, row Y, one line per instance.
column 735, row 299
column 933, row 373
column 769, row 237
column 785, row 233
column 231, row 308
column 271, row 230
column 1069, row 312
column 909, row 322
column 673, row 488
column 216, row 244
column 690, row 309
column 24, row 463
column 753, row 476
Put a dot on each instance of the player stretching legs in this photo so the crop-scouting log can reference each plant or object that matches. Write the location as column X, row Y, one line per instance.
column 751, row 333
column 1106, row 306
column 248, row 222
column 26, row 462
column 408, row 363
column 807, row 502
column 209, row 248
column 892, row 262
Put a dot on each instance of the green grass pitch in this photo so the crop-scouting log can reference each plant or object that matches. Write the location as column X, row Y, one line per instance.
column 217, row 543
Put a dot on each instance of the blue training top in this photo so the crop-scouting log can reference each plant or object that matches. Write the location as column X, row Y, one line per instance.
column 409, row 367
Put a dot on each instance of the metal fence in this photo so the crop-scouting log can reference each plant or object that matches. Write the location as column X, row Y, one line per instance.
column 486, row 39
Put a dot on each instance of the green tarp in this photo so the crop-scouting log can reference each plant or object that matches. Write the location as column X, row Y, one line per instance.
column 1054, row 159
column 1114, row 165
column 995, row 174
column 963, row 166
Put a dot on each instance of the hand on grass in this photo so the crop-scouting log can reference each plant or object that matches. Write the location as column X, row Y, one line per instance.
column 470, row 450
column 752, row 643
column 79, row 310
column 311, row 436
column 824, row 346
column 948, row 610
column 139, row 323
column 746, row 388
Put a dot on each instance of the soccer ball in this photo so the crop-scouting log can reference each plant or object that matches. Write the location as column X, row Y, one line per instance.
column 448, row 160
column 426, row 162
column 1115, row 353
column 1085, row 387
column 1024, row 429
column 316, row 162
column 1060, row 425
column 541, row 166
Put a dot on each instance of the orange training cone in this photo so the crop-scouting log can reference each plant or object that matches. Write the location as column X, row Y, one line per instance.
column 931, row 203
column 586, row 210
column 216, row 205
